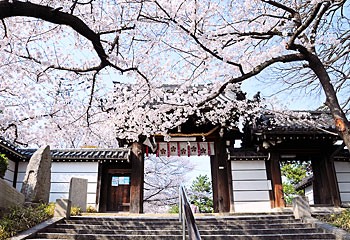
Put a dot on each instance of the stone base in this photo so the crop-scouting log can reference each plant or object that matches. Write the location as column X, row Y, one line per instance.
column 63, row 208
column 9, row 197
column 301, row 207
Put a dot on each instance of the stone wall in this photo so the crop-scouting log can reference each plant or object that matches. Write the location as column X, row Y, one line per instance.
column 9, row 196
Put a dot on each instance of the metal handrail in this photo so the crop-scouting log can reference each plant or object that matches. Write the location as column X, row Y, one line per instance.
column 186, row 216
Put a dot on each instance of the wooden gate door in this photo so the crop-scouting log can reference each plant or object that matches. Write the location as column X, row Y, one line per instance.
column 118, row 198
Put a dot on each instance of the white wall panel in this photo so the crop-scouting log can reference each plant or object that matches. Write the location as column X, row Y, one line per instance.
column 253, row 206
column 241, row 196
column 65, row 177
column 251, row 185
column 241, row 165
column 86, row 167
column 309, row 192
column 11, row 166
column 22, row 166
column 342, row 167
column 343, row 177
column 64, row 187
column 9, row 175
column 61, row 174
column 345, row 197
column 249, row 175
column 91, row 197
column 19, row 186
column 344, row 187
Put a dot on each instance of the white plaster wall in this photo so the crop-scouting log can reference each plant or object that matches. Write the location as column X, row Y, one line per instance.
column 309, row 192
column 10, row 172
column 61, row 173
column 250, row 186
column 343, row 176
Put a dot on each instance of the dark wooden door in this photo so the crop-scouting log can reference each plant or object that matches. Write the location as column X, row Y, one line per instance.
column 118, row 192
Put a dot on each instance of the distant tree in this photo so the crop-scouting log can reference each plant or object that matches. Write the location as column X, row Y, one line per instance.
column 201, row 194
column 294, row 172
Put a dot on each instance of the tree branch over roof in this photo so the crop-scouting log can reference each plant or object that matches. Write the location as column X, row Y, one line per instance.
column 256, row 71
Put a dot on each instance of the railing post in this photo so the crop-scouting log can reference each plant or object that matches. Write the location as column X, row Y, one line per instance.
column 183, row 225
column 180, row 205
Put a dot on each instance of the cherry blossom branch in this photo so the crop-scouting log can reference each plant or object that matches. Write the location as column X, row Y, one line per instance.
column 195, row 38
column 259, row 68
column 28, row 9
column 303, row 26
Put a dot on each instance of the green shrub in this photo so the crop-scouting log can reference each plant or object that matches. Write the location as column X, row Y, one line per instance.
column 22, row 218
column 75, row 211
column 3, row 165
column 341, row 220
column 50, row 209
column 91, row 209
column 174, row 209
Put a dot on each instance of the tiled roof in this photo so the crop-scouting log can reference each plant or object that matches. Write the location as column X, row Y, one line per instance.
column 305, row 182
column 9, row 148
column 308, row 122
column 245, row 154
column 84, row 154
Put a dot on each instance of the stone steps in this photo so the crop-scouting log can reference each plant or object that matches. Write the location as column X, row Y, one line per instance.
column 176, row 226
column 277, row 226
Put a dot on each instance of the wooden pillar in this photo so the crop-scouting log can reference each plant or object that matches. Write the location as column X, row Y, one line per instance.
column 218, row 162
column 98, row 189
column 15, row 175
column 276, row 180
column 230, row 187
column 325, row 186
column 137, row 177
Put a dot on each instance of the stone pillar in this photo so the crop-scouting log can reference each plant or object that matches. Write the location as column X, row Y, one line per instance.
column 78, row 192
column 137, row 177
column 301, row 207
column 37, row 181
column 63, row 208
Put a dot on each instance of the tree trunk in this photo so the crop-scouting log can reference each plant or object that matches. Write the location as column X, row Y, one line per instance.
column 341, row 122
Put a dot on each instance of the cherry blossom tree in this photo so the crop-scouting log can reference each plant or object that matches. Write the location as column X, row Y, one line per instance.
column 179, row 56
column 163, row 176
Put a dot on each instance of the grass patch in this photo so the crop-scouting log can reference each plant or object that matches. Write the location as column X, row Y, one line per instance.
column 341, row 220
column 22, row 218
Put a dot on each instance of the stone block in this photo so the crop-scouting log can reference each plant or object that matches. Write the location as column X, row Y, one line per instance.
column 78, row 192
column 63, row 208
column 301, row 207
column 36, row 184
column 9, row 196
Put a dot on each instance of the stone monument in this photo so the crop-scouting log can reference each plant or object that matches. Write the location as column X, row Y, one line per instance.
column 78, row 192
column 37, row 181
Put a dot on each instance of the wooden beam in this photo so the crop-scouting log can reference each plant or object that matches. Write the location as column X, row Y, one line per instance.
column 137, row 177
column 276, row 180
